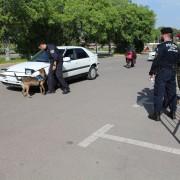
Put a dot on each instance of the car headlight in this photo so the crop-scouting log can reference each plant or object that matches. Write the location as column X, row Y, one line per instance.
column 29, row 71
column 19, row 78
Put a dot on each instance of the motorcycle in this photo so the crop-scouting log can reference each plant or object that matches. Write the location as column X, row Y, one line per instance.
column 130, row 56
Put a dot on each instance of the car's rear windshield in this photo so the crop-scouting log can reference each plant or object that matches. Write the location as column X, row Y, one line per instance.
column 42, row 56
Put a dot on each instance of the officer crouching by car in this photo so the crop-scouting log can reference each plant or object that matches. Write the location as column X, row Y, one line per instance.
column 56, row 59
column 164, row 70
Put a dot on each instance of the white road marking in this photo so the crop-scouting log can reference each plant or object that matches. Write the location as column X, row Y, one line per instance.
column 142, row 144
column 95, row 135
column 136, row 106
column 101, row 134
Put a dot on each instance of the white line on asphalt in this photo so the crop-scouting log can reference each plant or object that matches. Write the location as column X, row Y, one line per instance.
column 101, row 134
column 142, row 144
column 95, row 135
column 136, row 106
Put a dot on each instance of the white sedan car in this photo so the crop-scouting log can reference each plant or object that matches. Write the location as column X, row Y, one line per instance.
column 76, row 61
column 151, row 55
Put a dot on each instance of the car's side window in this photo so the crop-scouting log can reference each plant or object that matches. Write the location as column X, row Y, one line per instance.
column 80, row 53
column 70, row 53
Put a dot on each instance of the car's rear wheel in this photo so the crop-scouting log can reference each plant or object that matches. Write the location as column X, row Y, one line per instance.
column 92, row 74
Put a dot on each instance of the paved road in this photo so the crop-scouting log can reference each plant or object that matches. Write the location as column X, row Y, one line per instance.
column 100, row 131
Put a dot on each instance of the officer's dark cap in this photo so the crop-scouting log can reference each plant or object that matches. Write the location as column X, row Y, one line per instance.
column 166, row 30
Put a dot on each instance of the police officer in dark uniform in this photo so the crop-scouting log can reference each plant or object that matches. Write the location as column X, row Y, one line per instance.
column 55, row 59
column 164, row 70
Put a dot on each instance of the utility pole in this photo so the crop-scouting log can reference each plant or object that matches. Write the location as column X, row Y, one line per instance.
column 6, row 36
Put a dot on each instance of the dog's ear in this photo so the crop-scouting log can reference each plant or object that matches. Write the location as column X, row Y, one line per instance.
column 41, row 70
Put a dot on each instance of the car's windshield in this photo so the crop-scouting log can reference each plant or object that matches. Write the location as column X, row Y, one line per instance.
column 42, row 56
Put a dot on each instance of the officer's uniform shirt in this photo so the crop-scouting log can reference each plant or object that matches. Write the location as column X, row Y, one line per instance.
column 167, row 56
column 53, row 53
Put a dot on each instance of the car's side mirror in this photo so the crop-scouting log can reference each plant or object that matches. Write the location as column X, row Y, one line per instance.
column 66, row 59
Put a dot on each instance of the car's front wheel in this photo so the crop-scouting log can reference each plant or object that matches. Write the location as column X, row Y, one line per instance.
column 92, row 74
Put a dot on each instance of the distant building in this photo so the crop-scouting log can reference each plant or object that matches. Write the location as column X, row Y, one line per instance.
column 150, row 47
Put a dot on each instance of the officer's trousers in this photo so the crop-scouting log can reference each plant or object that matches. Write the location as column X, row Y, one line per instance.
column 51, row 79
column 165, row 87
column 59, row 75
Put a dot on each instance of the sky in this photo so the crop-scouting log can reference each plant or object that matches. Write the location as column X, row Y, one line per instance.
column 167, row 11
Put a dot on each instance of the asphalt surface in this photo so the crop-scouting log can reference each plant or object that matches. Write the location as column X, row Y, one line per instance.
column 41, row 137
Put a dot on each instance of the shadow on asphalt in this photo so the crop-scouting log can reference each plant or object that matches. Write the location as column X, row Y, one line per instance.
column 145, row 99
column 35, row 90
column 14, row 88
column 172, row 125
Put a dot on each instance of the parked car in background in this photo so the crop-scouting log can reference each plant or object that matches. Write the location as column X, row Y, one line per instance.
column 77, row 61
column 151, row 55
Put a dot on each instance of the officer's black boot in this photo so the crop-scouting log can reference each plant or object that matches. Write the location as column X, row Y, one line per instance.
column 50, row 92
column 172, row 115
column 155, row 116
column 66, row 90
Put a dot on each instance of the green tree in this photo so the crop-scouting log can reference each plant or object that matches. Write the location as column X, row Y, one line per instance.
column 76, row 22
column 34, row 20
column 137, row 23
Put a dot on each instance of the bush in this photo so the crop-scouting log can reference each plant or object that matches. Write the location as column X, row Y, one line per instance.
column 13, row 61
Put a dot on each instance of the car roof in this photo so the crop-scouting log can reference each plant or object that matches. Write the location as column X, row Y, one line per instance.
column 68, row 47
column 75, row 47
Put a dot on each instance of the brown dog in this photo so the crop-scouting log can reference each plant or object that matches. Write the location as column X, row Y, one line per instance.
column 27, row 82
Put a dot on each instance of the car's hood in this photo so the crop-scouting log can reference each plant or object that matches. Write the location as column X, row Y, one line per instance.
column 29, row 65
